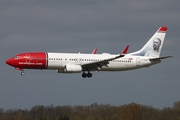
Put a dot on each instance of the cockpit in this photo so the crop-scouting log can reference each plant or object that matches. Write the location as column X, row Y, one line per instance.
column 16, row 57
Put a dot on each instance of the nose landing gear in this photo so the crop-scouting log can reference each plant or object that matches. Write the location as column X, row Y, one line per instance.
column 22, row 73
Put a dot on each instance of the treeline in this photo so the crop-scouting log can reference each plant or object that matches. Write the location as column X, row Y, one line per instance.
column 132, row 111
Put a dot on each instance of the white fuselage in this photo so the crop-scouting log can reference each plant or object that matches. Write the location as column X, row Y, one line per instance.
column 57, row 61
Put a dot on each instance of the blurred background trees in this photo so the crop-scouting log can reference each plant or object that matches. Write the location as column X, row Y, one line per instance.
column 132, row 111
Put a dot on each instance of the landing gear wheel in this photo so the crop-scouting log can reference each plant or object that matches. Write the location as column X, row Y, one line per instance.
column 84, row 75
column 89, row 75
column 22, row 73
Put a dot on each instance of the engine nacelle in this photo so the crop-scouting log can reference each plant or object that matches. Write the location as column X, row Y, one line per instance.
column 72, row 68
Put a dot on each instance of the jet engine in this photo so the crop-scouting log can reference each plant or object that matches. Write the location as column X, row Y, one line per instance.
column 71, row 69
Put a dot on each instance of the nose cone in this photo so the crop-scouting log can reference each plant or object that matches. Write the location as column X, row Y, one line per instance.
column 9, row 62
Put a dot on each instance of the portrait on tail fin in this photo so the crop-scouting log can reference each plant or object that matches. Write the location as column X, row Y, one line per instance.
column 156, row 44
column 155, row 51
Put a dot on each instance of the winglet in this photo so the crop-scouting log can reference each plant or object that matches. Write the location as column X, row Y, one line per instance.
column 125, row 50
column 94, row 51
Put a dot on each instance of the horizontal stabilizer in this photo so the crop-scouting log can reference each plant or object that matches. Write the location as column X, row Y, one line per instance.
column 159, row 58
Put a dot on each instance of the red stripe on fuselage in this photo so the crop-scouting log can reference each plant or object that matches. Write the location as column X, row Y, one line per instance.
column 30, row 60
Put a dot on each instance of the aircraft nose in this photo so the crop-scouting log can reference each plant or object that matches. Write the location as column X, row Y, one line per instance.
column 9, row 61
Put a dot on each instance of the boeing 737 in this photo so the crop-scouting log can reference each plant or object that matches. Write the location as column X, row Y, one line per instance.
column 148, row 55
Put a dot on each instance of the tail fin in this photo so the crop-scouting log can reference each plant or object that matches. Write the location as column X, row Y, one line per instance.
column 153, row 47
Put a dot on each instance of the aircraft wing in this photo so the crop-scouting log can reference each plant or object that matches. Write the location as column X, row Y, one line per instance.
column 99, row 64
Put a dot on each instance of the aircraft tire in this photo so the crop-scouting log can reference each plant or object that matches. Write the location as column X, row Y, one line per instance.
column 89, row 75
column 22, row 73
column 84, row 75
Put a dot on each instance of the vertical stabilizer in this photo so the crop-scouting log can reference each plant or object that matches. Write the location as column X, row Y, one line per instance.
column 153, row 47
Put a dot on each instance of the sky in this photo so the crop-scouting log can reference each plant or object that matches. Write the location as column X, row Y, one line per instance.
column 80, row 26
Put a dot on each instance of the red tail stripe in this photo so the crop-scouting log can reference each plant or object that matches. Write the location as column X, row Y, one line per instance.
column 163, row 29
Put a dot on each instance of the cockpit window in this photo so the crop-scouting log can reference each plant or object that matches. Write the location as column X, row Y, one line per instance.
column 16, row 57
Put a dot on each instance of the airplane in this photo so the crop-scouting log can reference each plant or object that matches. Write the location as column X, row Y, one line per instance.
column 148, row 55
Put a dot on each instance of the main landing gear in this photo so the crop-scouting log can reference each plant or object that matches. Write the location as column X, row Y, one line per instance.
column 84, row 75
